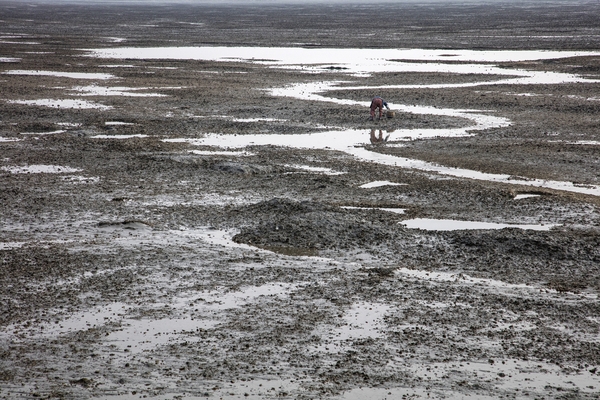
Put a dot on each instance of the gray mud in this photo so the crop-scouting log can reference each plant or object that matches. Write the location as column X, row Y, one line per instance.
column 132, row 267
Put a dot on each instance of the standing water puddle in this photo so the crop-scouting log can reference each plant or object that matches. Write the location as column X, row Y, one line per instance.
column 222, row 153
column 72, row 75
column 326, row 171
column 356, row 60
column 453, row 225
column 510, row 375
column 62, row 103
column 219, row 300
column 194, row 311
column 133, row 335
column 377, row 184
column 94, row 90
column 362, row 321
column 525, row 196
column 40, row 169
column 118, row 136
column 392, row 210
column 43, row 133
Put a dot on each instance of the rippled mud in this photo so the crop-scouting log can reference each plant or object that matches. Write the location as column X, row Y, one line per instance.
column 216, row 217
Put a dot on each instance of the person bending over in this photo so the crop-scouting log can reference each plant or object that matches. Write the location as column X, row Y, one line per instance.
column 376, row 103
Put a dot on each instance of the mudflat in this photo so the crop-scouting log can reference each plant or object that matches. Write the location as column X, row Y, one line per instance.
column 194, row 202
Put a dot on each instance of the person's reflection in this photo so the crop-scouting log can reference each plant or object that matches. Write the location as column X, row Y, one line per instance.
column 379, row 139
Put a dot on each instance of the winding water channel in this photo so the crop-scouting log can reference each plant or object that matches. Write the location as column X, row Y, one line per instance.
column 362, row 62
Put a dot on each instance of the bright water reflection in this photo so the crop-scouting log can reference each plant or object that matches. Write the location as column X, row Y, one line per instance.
column 353, row 141
column 39, row 169
column 377, row 184
column 355, row 60
column 62, row 103
column 430, row 224
column 368, row 61
column 71, row 75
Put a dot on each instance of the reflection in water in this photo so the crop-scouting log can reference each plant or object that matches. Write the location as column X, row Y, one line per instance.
column 380, row 139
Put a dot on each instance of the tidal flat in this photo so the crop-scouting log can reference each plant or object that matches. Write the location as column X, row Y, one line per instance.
column 194, row 203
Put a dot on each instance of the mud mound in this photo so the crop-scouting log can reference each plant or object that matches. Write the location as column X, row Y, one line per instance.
column 565, row 262
column 310, row 225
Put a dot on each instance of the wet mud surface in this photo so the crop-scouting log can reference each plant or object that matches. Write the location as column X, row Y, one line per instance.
column 141, row 260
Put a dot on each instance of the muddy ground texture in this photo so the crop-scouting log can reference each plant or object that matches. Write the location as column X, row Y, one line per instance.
column 126, row 242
